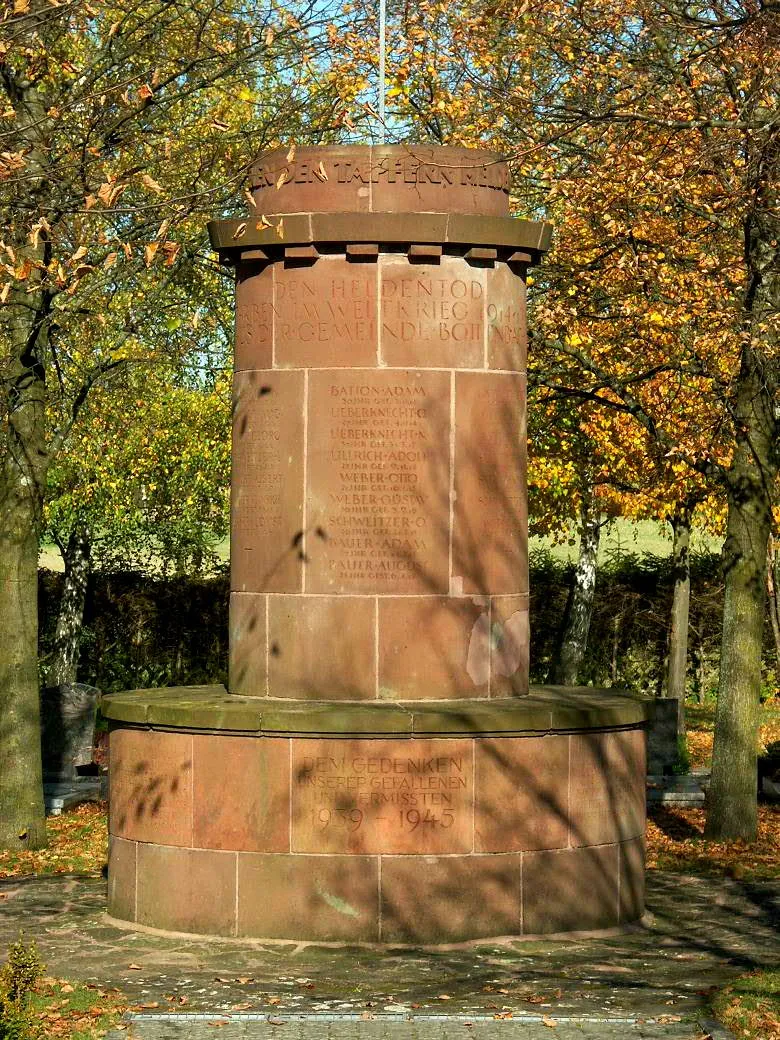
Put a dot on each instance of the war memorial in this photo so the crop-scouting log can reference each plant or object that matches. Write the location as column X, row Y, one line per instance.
column 378, row 769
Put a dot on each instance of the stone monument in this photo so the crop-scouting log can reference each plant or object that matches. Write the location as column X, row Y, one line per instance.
column 378, row 770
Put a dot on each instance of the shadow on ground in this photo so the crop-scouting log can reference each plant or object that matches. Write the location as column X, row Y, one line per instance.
column 700, row 933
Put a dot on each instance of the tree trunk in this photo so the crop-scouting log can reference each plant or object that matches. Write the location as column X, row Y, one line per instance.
column 70, row 619
column 23, row 468
column 22, row 823
column 732, row 810
column 771, row 590
column 22, row 479
column 681, row 601
column 579, row 610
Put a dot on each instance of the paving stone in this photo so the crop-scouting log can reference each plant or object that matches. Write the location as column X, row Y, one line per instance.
column 355, row 1028
column 699, row 933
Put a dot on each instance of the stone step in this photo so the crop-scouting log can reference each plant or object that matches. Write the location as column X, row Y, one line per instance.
column 396, row 1027
column 683, row 791
column 57, row 797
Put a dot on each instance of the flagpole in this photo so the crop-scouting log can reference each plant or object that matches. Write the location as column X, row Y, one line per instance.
column 382, row 26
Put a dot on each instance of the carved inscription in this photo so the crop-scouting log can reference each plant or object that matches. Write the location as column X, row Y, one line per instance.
column 490, row 484
column 406, row 169
column 432, row 314
column 379, row 462
column 506, row 324
column 382, row 796
column 266, row 503
column 326, row 314
column 254, row 317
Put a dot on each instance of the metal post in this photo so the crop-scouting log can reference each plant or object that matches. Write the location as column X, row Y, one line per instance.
column 382, row 25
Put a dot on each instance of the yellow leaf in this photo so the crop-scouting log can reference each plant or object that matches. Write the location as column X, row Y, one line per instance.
column 291, row 153
column 171, row 250
column 151, row 183
column 280, row 180
column 150, row 251
column 269, row 36
column 239, row 230
column 21, row 6
column 110, row 260
column 321, row 172
column 22, row 273
column 5, row 292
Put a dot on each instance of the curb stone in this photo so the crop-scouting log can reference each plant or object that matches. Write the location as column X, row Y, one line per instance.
column 714, row 1030
column 395, row 1027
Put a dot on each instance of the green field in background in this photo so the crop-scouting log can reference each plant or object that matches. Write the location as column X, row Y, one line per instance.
column 627, row 536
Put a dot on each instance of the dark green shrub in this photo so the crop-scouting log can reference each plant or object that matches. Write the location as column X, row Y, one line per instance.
column 18, row 977
column 150, row 631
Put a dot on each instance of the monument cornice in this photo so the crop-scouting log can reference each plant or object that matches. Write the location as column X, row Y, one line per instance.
column 234, row 238
column 546, row 709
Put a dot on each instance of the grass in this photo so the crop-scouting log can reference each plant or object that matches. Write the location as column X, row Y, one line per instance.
column 750, row 1007
column 620, row 535
column 676, row 843
column 675, row 837
column 78, row 844
column 75, row 1012
column 626, row 536
column 700, row 724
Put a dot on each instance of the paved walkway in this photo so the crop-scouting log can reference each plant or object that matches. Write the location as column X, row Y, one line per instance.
column 449, row 1028
column 651, row 983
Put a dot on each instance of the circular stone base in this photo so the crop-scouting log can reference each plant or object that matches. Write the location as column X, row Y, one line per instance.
column 425, row 823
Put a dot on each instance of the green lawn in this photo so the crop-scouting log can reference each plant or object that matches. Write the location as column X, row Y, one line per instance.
column 750, row 1007
column 628, row 536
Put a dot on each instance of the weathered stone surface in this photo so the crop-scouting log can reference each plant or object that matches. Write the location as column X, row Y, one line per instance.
column 384, row 773
column 212, row 708
column 67, row 728
column 151, row 786
column 383, row 179
column 252, row 811
column 522, row 800
column 698, row 933
column 336, row 897
column 389, row 228
column 662, row 743
column 187, row 890
column 383, row 796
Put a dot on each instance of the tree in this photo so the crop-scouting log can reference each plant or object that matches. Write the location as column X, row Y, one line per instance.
column 652, row 131
column 123, row 126
column 142, row 484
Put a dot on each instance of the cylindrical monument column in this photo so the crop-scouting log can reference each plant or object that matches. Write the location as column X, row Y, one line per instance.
column 376, row 772
column 378, row 545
